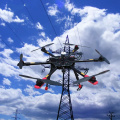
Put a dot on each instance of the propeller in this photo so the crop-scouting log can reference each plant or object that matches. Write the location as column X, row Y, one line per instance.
column 42, row 47
column 74, row 44
column 88, row 78
column 102, row 57
column 101, row 72
column 51, row 82
column 20, row 64
column 27, row 76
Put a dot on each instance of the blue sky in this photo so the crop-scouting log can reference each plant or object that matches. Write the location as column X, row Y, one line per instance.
column 24, row 26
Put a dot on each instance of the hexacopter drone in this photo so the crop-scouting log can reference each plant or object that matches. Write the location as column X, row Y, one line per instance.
column 65, row 60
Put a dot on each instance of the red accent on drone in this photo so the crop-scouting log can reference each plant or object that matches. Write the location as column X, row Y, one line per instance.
column 80, row 86
column 95, row 83
column 46, row 88
column 44, row 78
column 86, row 76
column 37, row 87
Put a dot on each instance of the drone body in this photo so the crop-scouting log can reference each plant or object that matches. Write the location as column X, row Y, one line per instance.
column 63, row 61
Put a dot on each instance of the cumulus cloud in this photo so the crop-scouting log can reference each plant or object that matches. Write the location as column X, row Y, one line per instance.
column 52, row 10
column 30, row 91
column 6, row 81
column 10, row 40
column 34, row 108
column 3, row 24
column 39, row 26
column 2, row 45
column 42, row 34
column 95, row 30
column 6, row 52
column 69, row 6
column 8, row 16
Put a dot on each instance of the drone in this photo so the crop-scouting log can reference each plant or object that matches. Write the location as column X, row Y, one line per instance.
column 64, row 61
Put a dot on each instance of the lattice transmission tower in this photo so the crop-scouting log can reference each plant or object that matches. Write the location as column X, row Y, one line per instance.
column 65, row 107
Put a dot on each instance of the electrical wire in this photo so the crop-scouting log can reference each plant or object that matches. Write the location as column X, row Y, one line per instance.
column 27, row 10
column 80, row 42
column 50, row 22
column 15, row 33
column 8, row 46
column 29, row 15
column 17, row 55
column 18, row 39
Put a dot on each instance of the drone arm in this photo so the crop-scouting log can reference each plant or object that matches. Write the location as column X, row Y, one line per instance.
column 22, row 63
column 34, row 63
column 45, row 51
column 91, row 60
column 76, row 75
column 53, row 69
column 77, row 71
column 75, row 48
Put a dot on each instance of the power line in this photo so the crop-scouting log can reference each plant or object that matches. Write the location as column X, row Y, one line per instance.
column 12, row 49
column 80, row 41
column 8, row 46
column 14, row 33
column 28, row 13
column 27, row 10
column 50, row 22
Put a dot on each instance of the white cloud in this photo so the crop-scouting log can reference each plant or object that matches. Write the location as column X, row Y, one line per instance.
column 14, row 98
column 8, row 16
column 2, row 45
column 95, row 30
column 59, row 20
column 69, row 22
column 39, row 26
column 52, row 10
column 3, row 24
column 69, row 6
column 42, row 34
column 6, row 52
column 30, row 91
column 6, row 81
column 10, row 40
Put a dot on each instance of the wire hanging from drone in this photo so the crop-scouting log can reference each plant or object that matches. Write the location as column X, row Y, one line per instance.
column 80, row 44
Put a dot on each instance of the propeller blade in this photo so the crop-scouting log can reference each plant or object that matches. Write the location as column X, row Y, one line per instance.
column 102, row 57
column 101, row 72
column 47, row 45
column 21, row 56
column 74, row 44
column 27, row 76
column 82, row 80
column 88, row 78
column 106, row 60
column 98, row 52
column 20, row 64
column 35, row 49
column 51, row 82
column 42, row 47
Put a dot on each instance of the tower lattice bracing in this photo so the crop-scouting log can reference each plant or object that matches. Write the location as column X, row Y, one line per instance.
column 65, row 107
